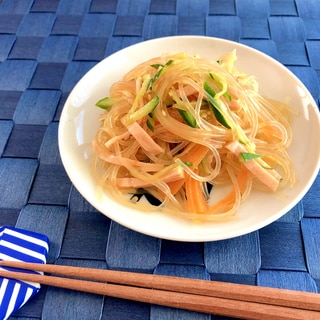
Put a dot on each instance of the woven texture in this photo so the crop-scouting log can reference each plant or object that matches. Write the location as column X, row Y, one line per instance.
column 46, row 46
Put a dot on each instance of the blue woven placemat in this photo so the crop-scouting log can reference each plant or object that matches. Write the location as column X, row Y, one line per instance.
column 46, row 46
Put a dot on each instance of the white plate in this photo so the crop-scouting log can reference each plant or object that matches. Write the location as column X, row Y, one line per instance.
column 79, row 123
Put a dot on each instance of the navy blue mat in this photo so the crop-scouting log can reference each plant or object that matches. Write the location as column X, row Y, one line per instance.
column 46, row 46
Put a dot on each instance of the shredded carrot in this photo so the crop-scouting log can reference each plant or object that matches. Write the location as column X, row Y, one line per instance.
column 195, row 156
column 227, row 202
column 195, row 197
column 194, row 192
column 175, row 186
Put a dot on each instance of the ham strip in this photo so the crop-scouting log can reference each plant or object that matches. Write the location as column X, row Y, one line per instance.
column 173, row 175
column 118, row 160
column 269, row 177
column 144, row 139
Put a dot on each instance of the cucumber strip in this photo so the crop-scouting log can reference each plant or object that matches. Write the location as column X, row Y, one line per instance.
column 216, row 106
column 143, row 111
column 219, row 116
column 157, row 65
column 247, row 156
column 158, row 74
column 107, row 103
column 140, row 94
column 224, row 118
column 188, row 118
column 228, row 96
column 150, row 123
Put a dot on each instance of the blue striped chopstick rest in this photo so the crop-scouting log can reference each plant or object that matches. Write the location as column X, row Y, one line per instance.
column 19, row 245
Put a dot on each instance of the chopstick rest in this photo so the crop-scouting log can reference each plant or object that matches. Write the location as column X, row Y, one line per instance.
column 19, row 245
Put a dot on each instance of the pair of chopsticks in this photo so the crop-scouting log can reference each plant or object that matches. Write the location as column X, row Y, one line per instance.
column 220, row 298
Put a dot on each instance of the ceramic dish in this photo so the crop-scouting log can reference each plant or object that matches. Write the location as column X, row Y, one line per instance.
column 79, row 123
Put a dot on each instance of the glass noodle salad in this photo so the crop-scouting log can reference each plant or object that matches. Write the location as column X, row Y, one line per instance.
column 177, row 127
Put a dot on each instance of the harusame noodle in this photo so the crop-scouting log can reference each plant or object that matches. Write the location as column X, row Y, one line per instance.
column 179, row 125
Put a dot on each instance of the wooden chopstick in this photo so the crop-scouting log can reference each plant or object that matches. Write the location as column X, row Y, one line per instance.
column 281, row 297
column 227, row 299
